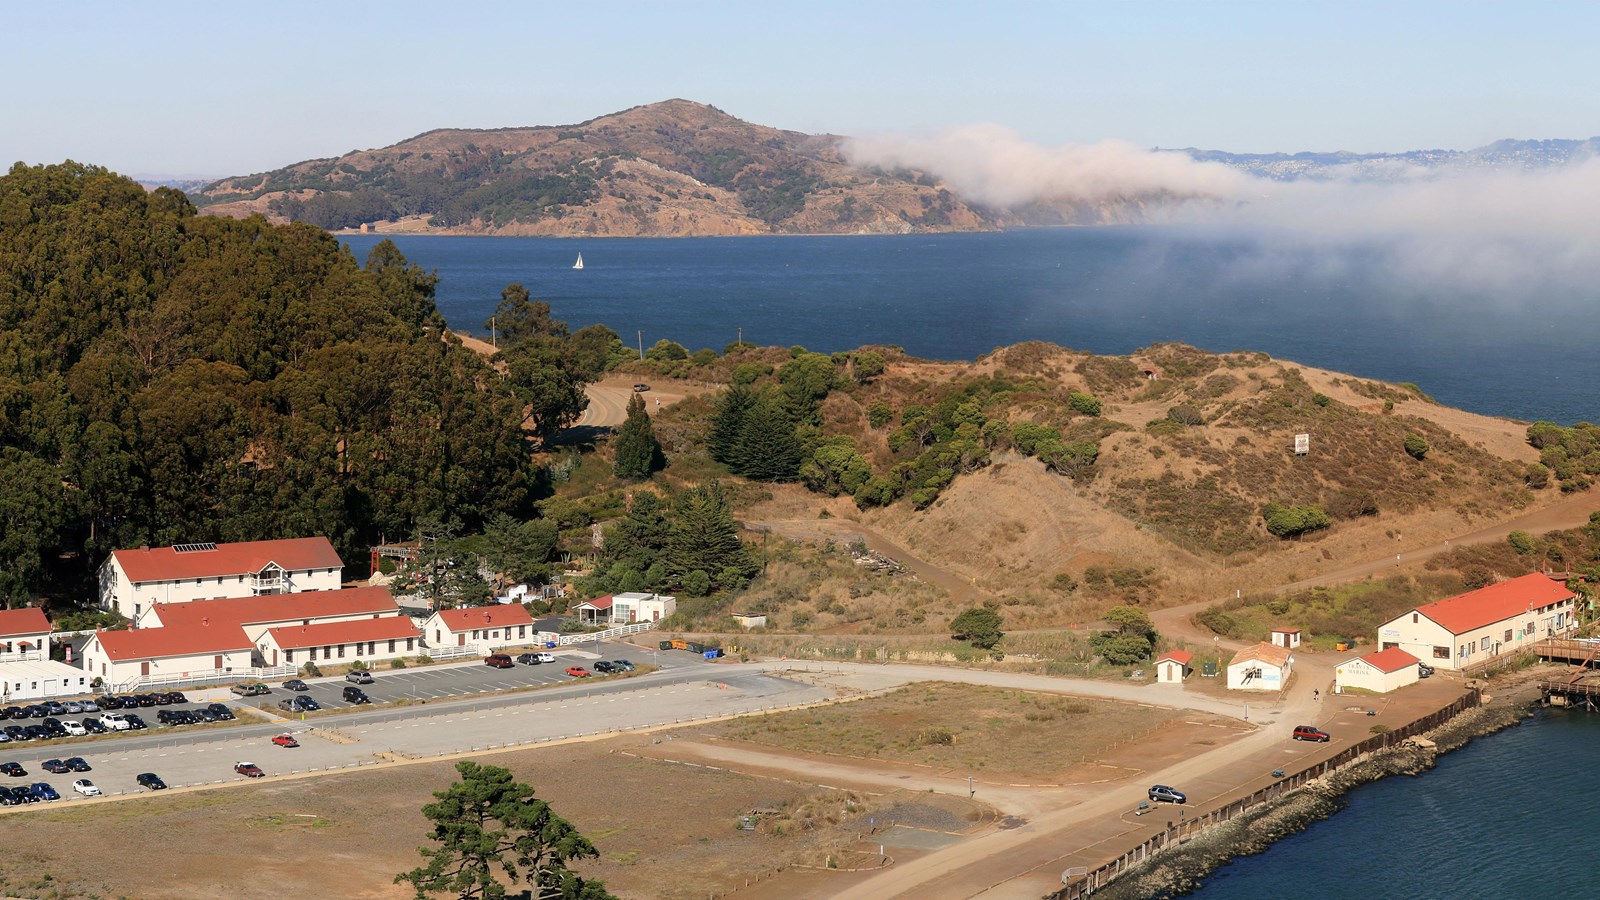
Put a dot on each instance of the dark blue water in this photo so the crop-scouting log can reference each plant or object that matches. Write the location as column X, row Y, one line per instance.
column 1522, row 348
column 1508, row 816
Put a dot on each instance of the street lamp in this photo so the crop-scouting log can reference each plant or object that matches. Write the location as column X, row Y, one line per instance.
column 970, row 789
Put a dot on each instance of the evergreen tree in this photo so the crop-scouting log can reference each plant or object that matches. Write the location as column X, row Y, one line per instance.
column 723, row 442
column 638, row 451
column 768, row 449
column 639, row 538
column 704, row 536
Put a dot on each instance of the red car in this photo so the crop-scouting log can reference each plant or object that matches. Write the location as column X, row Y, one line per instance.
column 1309, row 733
column 499, row 661
column 285, row 740
column 578, row 672
column 249, row 770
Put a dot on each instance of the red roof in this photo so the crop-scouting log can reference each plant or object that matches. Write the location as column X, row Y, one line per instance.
column 1264, row 652
column 597, row 603
column 1285, row 631
column 167, row 564
column 1181, row 657
column 387, row 628
column 28, row 620
column 1496, row 603
column 278, row 607
column 1391, row 660
column 497, row 616
column 191, row 640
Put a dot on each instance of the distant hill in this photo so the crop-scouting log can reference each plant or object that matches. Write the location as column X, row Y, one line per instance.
column 669, row 168
column 1507, row 154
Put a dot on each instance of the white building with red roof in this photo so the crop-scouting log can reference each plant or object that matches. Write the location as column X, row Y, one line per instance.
column 484, row 628
column 1173, row 666
column 1260, row 667
column 1379, row 672
column 1479, row 625
column 24, row 635
column 257, row 615
column 625, row 609
column 131, row 581
column 197, row 651
column 366, row 640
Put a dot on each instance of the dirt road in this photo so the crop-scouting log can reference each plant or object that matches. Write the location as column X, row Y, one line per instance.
column 608, row 400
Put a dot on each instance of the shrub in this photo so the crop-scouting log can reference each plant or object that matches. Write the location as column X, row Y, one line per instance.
column 1321, row 399
column 1520, row 541
column 1415, row 446
column 1084, row 403
column 879, row 414
column 929, row 737
column 358, row 665
column 1218, row 620
column 697, row 583
column 1184, row 414
column 1064, row 582
column 979, row 627
column 1289, row 521
column 310, row 670
column 424, row 660
column 397, row 663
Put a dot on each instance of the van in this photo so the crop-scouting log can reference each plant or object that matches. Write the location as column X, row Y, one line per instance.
column 1308, row 733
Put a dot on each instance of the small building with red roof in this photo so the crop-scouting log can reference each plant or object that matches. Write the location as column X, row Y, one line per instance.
column 1286, row 637
column 1260, row 667
column 1479, row 625
column 209, row 650
column 625, row 609
column 257, row 615
column 131, row 581
column 24, row 634
column 367, row 640
column 485, row 628
column 1380, row 672
column 1173, row 666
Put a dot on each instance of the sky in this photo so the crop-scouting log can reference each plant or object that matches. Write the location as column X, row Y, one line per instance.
column 189, row 89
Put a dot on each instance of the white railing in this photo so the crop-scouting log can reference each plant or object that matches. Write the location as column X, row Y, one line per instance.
column 441, row 653
column 239, row 674
column 605, row 635
column 22, row 656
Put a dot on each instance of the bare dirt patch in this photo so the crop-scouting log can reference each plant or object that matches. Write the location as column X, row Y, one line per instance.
column 663, row 830
column 1011, row 735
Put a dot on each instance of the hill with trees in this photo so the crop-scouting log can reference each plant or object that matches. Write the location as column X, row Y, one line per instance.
column 168, row 377
column 672, row 168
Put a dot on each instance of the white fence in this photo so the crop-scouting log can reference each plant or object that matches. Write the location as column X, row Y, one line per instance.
column 220, row 675
column 442, row 653
column 606, row 635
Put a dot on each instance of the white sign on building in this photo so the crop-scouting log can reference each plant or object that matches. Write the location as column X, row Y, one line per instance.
column 1302, row 444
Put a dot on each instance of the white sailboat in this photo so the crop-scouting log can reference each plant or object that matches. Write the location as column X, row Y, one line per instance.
column 579, row 263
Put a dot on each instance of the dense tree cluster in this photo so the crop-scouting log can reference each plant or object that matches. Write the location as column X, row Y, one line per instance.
column 166, row 377
column 1571, row 454
column 638, row 453
column 1291, row 521
column 690, row 544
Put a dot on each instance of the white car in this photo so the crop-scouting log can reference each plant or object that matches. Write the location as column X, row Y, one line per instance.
column 115, row 722
column 74, row 729
column 545, row 658
column 86, row 787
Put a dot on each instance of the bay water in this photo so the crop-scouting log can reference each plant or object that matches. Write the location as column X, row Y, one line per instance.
column 1495, row 819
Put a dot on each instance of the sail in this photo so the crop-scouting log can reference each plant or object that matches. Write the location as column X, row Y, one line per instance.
column 579, row 263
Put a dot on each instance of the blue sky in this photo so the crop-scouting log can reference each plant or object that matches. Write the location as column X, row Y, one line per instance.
column 211, row 89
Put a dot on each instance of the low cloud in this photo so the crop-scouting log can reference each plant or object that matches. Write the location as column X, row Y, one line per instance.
column 995, row 166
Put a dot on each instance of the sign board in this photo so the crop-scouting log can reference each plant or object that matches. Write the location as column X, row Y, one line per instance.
column 1302, row 444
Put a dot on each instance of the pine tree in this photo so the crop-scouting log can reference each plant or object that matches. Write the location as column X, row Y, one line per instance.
column 704, row 536
column 768, row 449
column 726, row 424
column 638, row 451
column 639, row 538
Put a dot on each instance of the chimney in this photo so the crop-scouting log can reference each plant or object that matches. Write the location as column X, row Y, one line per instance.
column 145, row 548
column 205, row 621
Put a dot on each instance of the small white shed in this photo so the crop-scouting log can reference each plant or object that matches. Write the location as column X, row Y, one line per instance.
column 1288, row 638
column 1380, row 672
column 1173, row 666
column 1260, row 667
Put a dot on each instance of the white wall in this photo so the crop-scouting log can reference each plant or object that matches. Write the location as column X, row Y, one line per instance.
column 1359, row 674
column 1169, row 671
column 1423, row 638
column 483, row 640
column 97, row 664
column 130, row 599
column 335, row 654
column 1272, row 678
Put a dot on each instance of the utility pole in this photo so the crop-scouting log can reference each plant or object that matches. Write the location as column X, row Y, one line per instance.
column 494, row 339
column 741, row 337
column 641, row 344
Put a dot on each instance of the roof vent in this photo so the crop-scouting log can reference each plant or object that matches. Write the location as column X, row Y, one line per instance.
column 193, row 548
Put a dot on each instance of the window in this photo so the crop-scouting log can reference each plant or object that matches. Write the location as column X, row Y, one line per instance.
column 1441, row 653
column 408, row 642
column 288, row 656
column 341, row 651
column 1414, row 618
column 372, row 647
column 522, row 631
column 391, row 646
column 327, row 653
column 1508, row 636
column 358, row 649
column 1528, row 629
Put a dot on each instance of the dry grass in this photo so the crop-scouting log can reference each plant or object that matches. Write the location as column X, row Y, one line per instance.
column 1019, row 735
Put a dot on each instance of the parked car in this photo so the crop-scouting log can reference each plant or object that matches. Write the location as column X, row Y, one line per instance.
column 86, row 787
column 92, row 725
column 295, row 684
column 176, row 697
column 75, row 729
column 38, row 733
column 358, row 676
column 248, row 769
column 115, row 722
column 78, row 764
column 640, row 388
column 626, row 666
column 223, row 713
column 1308, row 733
column 110, row 702
column 578, row 672
column 147, row 700
column 1424, row 670
column 9, row 798
column 606, row 667
column 285, row 740
column 353, row 694
column 159, row 698
column 251, row 690
column 545, row 657
column 4, row 738
column 55, row 767
column 17, row 733
column 54, row 708
column 54, row 727
column 12, row 712
column 498, row 661
column 529, row 659
column 25, row 793
column 151, row 781
column 1160, row 793
column 204, row 715
column 136, row 721
column 89, row 706
column 72, row 707
column 44, row 791
column 13, row 769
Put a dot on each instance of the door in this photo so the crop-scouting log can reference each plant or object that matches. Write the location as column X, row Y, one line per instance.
column 144, row 669
column 461, row 640
column 216, row 662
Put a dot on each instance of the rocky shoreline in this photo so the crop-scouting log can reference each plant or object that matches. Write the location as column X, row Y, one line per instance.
column 1181, row 870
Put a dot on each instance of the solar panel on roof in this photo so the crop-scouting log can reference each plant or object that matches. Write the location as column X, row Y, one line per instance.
column 192, row 548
